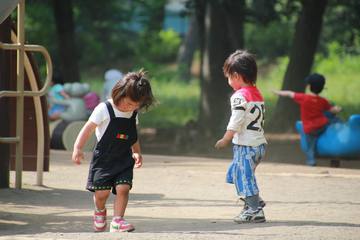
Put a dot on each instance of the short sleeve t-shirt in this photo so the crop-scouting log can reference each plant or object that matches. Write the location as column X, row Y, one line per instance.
column 312, row 108
column 101, row 117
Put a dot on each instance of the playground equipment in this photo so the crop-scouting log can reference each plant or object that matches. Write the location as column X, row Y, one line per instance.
column 340, row 140
column 75, row 105
column 64, row 131
column 24, row 63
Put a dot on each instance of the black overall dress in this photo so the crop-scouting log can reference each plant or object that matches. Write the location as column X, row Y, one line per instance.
column 112, row 163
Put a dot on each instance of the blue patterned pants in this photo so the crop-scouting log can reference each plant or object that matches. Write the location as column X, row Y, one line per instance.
column 242, row 169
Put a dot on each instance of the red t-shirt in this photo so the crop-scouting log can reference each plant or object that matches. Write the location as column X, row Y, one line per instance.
column 312, row 108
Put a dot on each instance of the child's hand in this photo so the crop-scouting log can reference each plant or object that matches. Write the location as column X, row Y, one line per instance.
column 221, row 143
column 336, row 109
column 138, row 159
column 77, row 156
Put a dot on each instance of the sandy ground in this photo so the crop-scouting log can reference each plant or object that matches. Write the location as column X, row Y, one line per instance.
column 187, row 198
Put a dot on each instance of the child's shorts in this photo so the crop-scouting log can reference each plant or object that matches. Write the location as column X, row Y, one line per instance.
column 100, row 180
column 241, row 172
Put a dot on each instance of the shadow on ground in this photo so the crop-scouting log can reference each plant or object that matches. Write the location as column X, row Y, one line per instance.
column 69, row 211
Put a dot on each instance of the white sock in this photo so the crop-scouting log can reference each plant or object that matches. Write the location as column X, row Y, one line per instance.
column 117, row 218
column 97, row 210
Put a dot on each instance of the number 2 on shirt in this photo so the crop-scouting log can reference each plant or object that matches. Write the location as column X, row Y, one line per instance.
column 259, row 120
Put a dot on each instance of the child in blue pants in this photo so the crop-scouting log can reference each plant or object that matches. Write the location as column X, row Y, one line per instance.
column 245, row 131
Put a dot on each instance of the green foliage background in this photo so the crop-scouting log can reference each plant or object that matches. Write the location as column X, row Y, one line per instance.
column 106, row 39
column 178, row 102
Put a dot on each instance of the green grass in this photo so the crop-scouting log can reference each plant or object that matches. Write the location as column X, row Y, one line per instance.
column 343, row 82
column 177, row 104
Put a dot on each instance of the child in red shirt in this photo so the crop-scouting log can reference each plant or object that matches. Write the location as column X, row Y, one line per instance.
column 313, row 110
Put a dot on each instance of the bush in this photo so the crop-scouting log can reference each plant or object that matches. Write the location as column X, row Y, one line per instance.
column 159, row 47
column 270, row 41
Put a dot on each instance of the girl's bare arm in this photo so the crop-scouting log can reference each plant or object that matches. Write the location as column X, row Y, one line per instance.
column 136, row 149
column 81, row 139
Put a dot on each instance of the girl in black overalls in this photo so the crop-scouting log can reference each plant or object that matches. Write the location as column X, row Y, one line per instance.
column 117, row 150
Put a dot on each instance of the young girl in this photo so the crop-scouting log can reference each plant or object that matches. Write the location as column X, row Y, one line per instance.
column 245, row 131
column 117, row 150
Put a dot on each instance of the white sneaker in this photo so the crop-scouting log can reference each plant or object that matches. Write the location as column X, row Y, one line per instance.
column 121, row 225
column 250, row 216
column 99, row 223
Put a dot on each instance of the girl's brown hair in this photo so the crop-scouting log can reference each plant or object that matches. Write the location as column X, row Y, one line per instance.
column 136, row 86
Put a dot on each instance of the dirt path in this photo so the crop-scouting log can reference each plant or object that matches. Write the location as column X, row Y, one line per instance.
column 186, row 198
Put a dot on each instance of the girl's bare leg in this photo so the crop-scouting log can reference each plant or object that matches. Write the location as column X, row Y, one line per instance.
column 121, row 199
column 100, row 198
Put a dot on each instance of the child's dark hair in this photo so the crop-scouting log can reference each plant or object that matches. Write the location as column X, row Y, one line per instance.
column 316, row 82
column 135, row 86
column 243, row 63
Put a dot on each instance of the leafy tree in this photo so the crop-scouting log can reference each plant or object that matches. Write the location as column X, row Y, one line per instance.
column 103, row 31
column 342, row 25
column 152, row 12
column 40, row 28
column 263, row 11
column 105, row 34
column 269, row 27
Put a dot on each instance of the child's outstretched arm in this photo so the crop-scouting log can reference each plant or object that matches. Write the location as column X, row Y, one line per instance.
column 81, row 139
column 137, row 154
column 284, row 93
column 225, row 140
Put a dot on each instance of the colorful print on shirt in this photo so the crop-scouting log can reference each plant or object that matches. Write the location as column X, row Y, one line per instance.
column 122, row 136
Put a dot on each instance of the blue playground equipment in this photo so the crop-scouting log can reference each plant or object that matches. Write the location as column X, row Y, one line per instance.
column 340, row 140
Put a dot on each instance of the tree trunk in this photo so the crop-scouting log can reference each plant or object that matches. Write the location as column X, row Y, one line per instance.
column 307, row 32
column 156, row 17
column 63, row 14
column 220, row 39
column 235, row 18
column 187, row 50
column 5, row 29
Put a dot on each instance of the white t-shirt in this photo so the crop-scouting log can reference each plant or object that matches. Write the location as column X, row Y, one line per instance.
column 101, row 117
column 247, row 117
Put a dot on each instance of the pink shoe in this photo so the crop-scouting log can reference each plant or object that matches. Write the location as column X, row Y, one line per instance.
column 99, row 221
column 121, row 225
